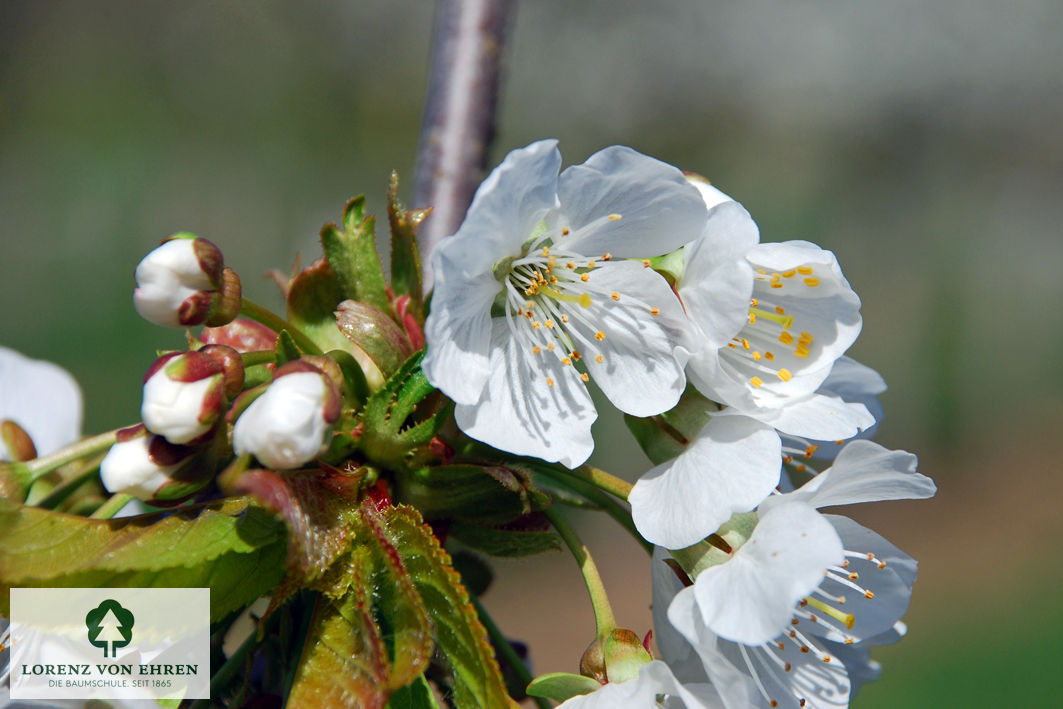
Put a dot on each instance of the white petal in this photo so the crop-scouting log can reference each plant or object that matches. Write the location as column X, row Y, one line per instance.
column 853, row 381
column 639, row 371
column 730, row 467
column 521, row 413
column 42, row 398
column 818, row 417
column 458, row 330
column 654, row 678
column 172, row 409
column 507, row 207
column 891, row 585
column 659, row 210
column 718, row 281
column 709, row 194
column 750, row 599
column 866, row 472
column 128, row 468
column 674, row 648
column 285, row 427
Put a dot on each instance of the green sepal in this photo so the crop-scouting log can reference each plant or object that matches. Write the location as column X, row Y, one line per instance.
column 353, row 257
column 376, row 333
column 470, row 492
column 405, row 257
column 671, row 265
column 287, row 350
column 416, row 695
column 664, row 436
column 561, row 686
column 313, row 296
column 233, row 546
column 15, row 481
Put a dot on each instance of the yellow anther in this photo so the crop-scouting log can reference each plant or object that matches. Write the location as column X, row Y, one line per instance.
column 553, row 280
column 584, row 277
column 752, row 317
column 549, row 382
column 745, row 343
column 756, row 356
column 789, row 274
column 607, row 256
column 614, row 295
column 780, row 310
column 806, row 338
column 549, row 323
column 550, row 346
column 614, row 217
column 590, row 264
column 529, row 304
column 564, row 318
column 566, row 360
column 776, row 285
column 731, row 345
column 546, row 251
column 585, row 377
column 810, row 450
column 775, row 278
column 785, row 375
column 804, row 270
column 800, row 467
column 655, row 311
column 754, row 302
column 536, row 349
column 564, row 231
column 854, row 576
column 576, row 355
column 869, row 595
column 645, row 263
column 527, row 314
column 786, row 338
column 811, row 282
column 570, row 265
column 770, row 356
column 599, row 335
column 762, row 272
column 757, row 382
column 599, row 359
column 801, row 351
column 520, row 311
column 536, row 325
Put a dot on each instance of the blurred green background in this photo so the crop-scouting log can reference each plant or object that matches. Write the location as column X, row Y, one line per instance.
column 919, row 141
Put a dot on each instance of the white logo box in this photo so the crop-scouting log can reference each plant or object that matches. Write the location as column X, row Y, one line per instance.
column 110, row 643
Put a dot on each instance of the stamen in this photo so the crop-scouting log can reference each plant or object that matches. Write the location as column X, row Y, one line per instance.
column 614, row 217
column 614, row 295
column 804, row 270
column 584, row 299
column 848, row 618
column 811, row 282
column 655, row 311
column 549, row 382
column 599, row 335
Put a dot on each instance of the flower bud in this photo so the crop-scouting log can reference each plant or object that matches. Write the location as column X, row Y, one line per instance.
column 186, row 392
column 148, row 467
column 184, row 282
column 291, row 423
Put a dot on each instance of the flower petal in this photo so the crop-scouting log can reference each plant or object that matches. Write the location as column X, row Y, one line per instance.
column 42, row 398
column 818, row 417
column 674, row 648
column 658, row 209
column 521, row 412
column 638, row 371
column 864, row 471
column 718, row 281
column 750, row 599
column 731, row 466
column 654, row 678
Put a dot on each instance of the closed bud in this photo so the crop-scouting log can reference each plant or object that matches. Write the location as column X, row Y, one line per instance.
column 149, row 467
column 186, row 392
column 184, row 282
column 291, row 422
column 615, row 658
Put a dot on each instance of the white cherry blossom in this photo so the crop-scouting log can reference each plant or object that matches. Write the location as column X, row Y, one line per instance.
column 42, row 398
column 536, row 294
column 655, row 686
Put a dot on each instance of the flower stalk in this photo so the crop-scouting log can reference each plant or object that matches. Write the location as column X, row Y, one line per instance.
column 604, row 620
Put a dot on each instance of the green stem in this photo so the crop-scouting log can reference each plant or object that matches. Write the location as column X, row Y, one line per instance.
column 110, row 508
column 602, row 480
column 256, row 312
column 225, row 673
column 613, row 508
column 506, row 649
column 39, row 467
column 250, row 359
column 65, row 490
column 604, row 620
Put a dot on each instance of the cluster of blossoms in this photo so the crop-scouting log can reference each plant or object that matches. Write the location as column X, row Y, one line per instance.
column 726, row 355
column 627, row 272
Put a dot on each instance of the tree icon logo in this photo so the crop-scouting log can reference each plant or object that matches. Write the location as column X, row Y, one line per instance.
column 109, row 624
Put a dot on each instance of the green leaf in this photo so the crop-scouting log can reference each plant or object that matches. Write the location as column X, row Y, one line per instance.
column 353, row 256
column 560, row 686
column 461, row 640
column 417, row 695
column 313, row 296
column 405, row 257
column 232, row 546
column 507, row 540
column 664, row 436
column 286, row 348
